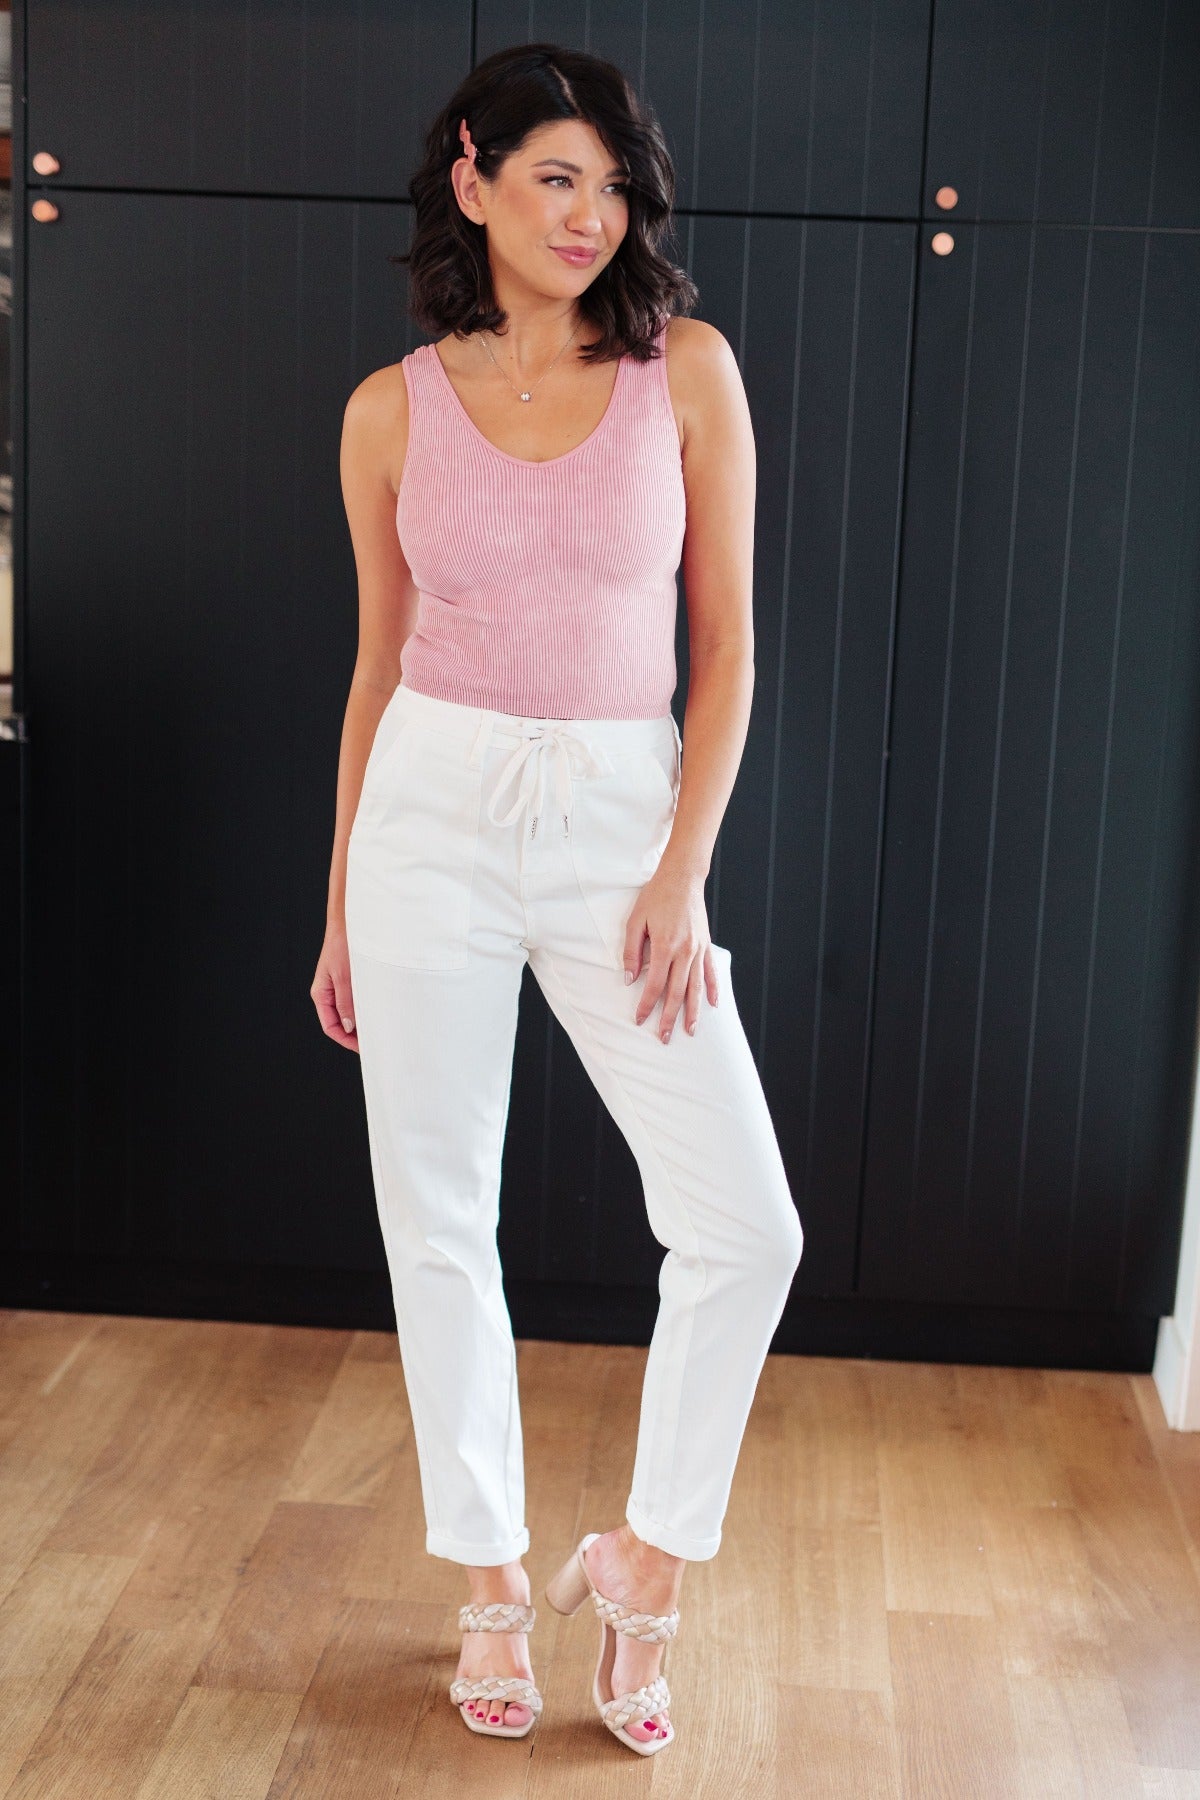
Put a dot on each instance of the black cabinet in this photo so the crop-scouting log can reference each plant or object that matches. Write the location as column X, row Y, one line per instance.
column 956, row 873
column 1035, row 1017
column 1070, row 112
column 821, row 314
column 191, row 635
column 787, row 107
column 286, row 97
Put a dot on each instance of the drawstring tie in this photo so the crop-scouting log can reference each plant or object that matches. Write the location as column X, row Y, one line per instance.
column 571, row 753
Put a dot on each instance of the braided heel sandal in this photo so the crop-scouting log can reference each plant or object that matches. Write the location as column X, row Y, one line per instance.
column 497, row 1615
column 567, row 1592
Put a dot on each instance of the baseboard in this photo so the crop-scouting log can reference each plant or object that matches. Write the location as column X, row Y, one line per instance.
column 342, row 1299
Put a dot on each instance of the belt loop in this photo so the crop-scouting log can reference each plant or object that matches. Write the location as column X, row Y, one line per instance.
column 483, row 738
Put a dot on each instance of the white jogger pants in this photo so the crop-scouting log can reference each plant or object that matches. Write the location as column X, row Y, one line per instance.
column 482, row 842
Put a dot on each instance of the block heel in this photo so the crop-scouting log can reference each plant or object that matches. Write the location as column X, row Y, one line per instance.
column 568, row 1590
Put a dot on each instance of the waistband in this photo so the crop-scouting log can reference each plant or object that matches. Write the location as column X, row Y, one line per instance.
column 576, row 747
column 456, row 719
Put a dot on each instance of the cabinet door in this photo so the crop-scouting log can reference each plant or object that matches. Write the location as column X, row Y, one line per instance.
column 296, row 97
column 1036, row 1000
column 787, row 106
column 191, row 634
column 1068, row 113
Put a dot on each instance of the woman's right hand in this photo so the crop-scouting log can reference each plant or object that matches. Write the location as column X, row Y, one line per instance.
column 331, row 988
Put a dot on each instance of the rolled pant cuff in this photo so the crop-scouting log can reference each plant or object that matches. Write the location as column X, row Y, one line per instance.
column 484, row 1555
column 675, row 1543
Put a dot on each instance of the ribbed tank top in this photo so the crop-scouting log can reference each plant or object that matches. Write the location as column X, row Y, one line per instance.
column 546, row 589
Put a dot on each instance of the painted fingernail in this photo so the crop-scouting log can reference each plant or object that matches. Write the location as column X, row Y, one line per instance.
column 666, row 1037
column 628, row 976
column 692, row 1028
column 349, row 1024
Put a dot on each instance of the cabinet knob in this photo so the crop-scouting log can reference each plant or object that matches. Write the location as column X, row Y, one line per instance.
column 946, row 197
column 942, row 243
column 43, row 211
column 46, row 164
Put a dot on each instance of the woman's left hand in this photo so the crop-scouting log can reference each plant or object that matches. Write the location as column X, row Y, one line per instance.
column 670, row 910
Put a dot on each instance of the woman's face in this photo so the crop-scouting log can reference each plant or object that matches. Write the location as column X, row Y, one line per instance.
column 560, row 192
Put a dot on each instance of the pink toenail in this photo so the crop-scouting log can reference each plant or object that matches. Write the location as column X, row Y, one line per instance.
column 494, row 1719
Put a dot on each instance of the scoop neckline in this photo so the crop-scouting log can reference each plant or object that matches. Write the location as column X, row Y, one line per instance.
column 528, row 462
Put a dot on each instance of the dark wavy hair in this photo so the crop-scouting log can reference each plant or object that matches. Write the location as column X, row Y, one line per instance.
column 503, row 99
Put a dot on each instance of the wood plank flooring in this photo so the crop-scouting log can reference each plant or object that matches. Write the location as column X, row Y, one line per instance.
column 936, row 1581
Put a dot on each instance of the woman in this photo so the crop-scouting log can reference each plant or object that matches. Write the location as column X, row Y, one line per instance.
column 521, row 493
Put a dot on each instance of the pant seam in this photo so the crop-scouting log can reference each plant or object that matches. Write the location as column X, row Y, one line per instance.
column 425, row 1460
column 586, row 1030
column 497, row 1156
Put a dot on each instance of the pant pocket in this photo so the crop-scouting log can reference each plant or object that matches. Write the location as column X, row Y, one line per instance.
column 621, row 828
column 410, row 860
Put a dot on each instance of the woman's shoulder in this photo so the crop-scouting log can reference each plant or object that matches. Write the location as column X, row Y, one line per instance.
column 694, row 344
column 696, row 355
column 375, row 399
column 376, row 419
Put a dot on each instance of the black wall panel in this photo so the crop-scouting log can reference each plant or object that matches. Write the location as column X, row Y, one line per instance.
column 784, row 107
column 303, row 97
column 788, row 108
column 190, row 644
column 819, row 313
column 1034, row 1032
column 1066, row 111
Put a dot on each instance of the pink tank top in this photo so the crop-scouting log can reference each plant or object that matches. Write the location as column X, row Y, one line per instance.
column 547, row 589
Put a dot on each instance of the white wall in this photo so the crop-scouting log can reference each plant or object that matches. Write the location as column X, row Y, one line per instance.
column 1177, row 1357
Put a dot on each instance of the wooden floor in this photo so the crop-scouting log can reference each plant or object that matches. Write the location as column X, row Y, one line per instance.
column 935, row 1580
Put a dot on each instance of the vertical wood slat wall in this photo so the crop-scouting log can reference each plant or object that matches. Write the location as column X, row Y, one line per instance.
column 955, row 870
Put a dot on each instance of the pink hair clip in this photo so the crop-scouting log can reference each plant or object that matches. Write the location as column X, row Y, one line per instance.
column 468, row 146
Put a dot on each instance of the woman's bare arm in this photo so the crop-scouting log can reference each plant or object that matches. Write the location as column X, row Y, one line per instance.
column 374, row 438
column 719, row 471
column 718, row 570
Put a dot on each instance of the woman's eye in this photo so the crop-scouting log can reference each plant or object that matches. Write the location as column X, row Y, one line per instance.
column 620, row 187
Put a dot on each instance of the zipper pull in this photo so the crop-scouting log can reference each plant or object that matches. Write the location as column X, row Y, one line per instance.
column 533, row 827
column 566, row 826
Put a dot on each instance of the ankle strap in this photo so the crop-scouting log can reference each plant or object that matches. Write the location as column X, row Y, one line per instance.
column 496, row 1615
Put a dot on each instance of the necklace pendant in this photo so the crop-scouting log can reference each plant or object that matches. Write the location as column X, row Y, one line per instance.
column 527, row 396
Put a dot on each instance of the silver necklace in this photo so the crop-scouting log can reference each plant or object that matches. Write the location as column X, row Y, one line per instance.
column 527, row 393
